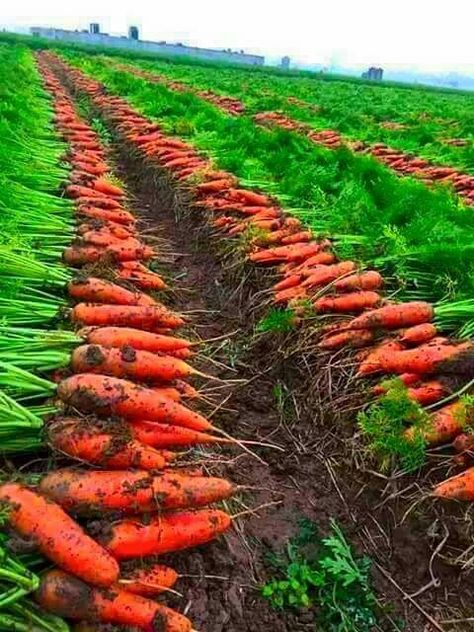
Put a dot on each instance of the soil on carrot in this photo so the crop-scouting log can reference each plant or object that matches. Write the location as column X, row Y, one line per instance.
column 317, row 474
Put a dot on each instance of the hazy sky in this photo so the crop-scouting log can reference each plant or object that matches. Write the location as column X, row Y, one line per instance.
column 430, row 35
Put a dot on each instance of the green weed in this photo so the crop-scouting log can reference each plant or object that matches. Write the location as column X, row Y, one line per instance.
column 277, row 321
column 323, row 574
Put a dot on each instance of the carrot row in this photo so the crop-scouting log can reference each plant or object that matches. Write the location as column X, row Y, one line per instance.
column 108, row 411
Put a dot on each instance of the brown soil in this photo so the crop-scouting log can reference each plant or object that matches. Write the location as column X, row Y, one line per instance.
column 317, row 475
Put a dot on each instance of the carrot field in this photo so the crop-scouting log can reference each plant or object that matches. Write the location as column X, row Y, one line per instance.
column 236, row 348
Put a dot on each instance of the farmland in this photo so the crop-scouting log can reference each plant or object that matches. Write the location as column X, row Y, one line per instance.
column 236, row 359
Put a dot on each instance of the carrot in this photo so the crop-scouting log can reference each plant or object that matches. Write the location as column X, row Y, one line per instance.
column 168, row 391
column 76, row 191
column 136, row 338
column 292, row 293
column 406, row 378
column 419, row 334
column 103, row 186
column 293, row 252
column 93, row 446
column 464, row 442
column 292, row 280
column 121, row 251
column 459, row 487
column 129, row 363
column 428, row 392
column 250, row 197
column 321, row 258
column 444, row 425
column 119, row 217
column 87, row 492
column 304, row 235
column 100, row 291
column 146, row 317
column 430, row 358
column 100, row 202
column 214, row 186
column 57, row 536
column 66, row 596
column 164, row 534
column 347, row 303
column 169, row 436
column 93, row 169
column 373, row 363
column 104, row 237
column 370, row 280
column 354, row 339
column 115, row 229
column 113, row 396
column 145, row 280
column 149, row 580
column 326, row 274
column 394, row 316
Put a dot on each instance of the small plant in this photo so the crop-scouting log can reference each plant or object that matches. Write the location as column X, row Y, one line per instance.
column 384, row 424
column 324, row 575
column 277, row 321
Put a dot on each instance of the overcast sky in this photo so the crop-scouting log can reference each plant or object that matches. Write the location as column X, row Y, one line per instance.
column 429, row 35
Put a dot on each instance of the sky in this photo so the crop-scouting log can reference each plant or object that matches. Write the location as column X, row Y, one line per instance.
column 419, row 35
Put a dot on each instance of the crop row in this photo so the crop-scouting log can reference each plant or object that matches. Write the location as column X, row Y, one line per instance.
column 90, row 367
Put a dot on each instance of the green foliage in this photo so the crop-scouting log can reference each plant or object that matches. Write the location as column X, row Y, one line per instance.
column 277, row 321
column 324, row 575
column 384, row 424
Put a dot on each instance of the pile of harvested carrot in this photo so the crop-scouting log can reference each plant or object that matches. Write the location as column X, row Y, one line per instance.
column 118, row 410
column 401, row 339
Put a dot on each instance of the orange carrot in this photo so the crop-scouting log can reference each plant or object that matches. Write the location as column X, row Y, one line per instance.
column 106, row 187
column 355, row 339
column 429, row 358
column 88, row 492
column 114, row 451
column 169, row 436
column 149, row 580
column 100, row 291
column 164, row 534
column 464, row 442
column 327, row 274
column 129, row 363
column 459, row 487
column 419, row 334
column 57, row 535
column 147, row 317
column 250, row 197
column 394, row 316
column 347, row 303
column 428, row 392
column 370, row 280
column 136, row 338
column 121, row 251
column 113, row 396
column 373, row 363
column 292, row 293
column 444, row 425
column 406, row 378
column 145, row 280
column 66, row 596
column 119, row 217
column 100, row 202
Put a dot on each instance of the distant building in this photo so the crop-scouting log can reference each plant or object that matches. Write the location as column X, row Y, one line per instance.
column 94, row 28
column 285, row 62
column 132, row 43
column 374, row 74
column 133, row 32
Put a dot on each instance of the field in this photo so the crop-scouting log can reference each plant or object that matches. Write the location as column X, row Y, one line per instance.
column 236, row 357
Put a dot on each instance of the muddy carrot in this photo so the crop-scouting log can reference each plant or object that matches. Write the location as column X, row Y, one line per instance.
column 373, row 363
column 136, row 338
column 394, row 316
column 129, row 363
column 113, row 451
column 326, row 274
column 112, row 396
column 147, row 317
column 354, row 339
column 445, row 424
column 170, row 436
column 352, row 302
column 67, row 596
column 148, row 580
column 419, row 334
column 77, row 256
column 128, row 539
column 57, row 535
column 89, row 492
column 427, row 393
column 118, row 217
column 430, row 358
column 459, row 487
column 370, row 280
column 106, row 187
column 93, row 290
